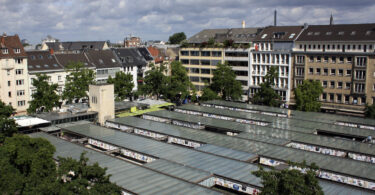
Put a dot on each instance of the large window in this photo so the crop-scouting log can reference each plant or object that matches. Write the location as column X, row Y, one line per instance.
column 194, row 70
column 216, row 53
column 238, row 63
column 241, row 73
column 185, row 61
column 359, row 87
column 205, row 71
column 19, row 71
column 20, row 82
column 205, row 53
column 194, row 62
column 194, row 79
column 205, row 62
column 300, row 59
column 361, row 61
column 236, row 54
column 185, row 53
column 360, row 74
column 194, row 53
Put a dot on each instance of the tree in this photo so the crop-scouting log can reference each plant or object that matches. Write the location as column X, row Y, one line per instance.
column 155, row 82
column 27, row 167
column 370, row 111
column 266, row 94
column 179, row 84
column 45, row 95
column 307, row 95
column 292, row 181
column 77, row 82
column 123, row 84
column 176, row 38
column 224, row 82
column 208, row 94
column 7, row 125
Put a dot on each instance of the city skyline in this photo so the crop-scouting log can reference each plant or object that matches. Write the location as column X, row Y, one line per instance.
column 157, row 20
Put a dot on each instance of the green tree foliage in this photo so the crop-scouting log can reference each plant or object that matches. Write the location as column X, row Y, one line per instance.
column 77, row 82
column 7, row 126
column 176, row 38
column 79, row 177
column 155, row 82
column 179, row 84
column 266, row 94
column 123, row 84
column 307, row 95
column 44, row 96
column 287, row 182
column 370, row 111
column 27, row 167
column 224, row 82
column 208, row 94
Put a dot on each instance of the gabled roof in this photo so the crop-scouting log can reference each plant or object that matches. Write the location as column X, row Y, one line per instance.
column 339, row 32
column 11, row 43
column 76, row 45
column 130, row 57
column 42, row 61
column 238, row 35
column 103, row 58
column 66, row 59
column 145, row 53
column 279, row 33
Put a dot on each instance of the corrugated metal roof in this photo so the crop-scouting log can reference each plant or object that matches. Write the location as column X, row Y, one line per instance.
column 218, row 165
column 228, row 142
column 222, row 151
column 129, row 176
column 312, row 139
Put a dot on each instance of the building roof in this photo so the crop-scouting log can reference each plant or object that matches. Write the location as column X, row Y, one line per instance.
column 11, row 43
column 130, row 57
column 279, row 33
column 40, row 61
column 339, row 32
column 133, row 178
column 145, row 53
column 238, row 35
column 103, row 58
column 66, row 59
column 76, row 45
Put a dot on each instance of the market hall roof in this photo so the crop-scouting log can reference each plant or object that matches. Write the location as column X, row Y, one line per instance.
column 134, row 178
column 339, row 32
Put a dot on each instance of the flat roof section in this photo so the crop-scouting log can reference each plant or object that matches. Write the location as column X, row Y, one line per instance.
column 224, row 141
column 136, row 179
column 217, row 124
column 220, row 166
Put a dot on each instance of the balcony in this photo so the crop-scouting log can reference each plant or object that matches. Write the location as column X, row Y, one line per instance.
column 7, row 66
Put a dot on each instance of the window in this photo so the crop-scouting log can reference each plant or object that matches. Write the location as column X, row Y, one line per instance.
column 300, row 59
column 339, row 98
column 194, row 79
column 59, row 78
column 8, row 83
column 331, row 97
column 333, row 46
column 347, row 85
column 359, row 87
column 348, row 47
column 332, row 84
column 184, row 53
column 205, row 62
column 205, row 53
column 360, row 74
column 349, row 60
column 5, row 51
column 325, row 84
column 17, row 50
column 18, row 61
column 361, row 61
column 216, row 53
column 194, row 53
column 333, row 59
column 9, row 94
column 21, row 103
column 94, row 100
column 341, row 72
column 185, row 61
column 194, row 62
column 326, row 59
column 311, row 70
column 333, row 72
column 341, row 60
column 324, row 97
column 20, row 82
column 339, row 85
column 347, row 99
column 318, row 71
column 241, row 73
column 318, row 59
column 300, row 71
column 325, row 71
column 348, row 72
column 311, row 59
column 19, row 71
column 194, row 70
column 8, row 72
column 20, row 92
column 205, row 71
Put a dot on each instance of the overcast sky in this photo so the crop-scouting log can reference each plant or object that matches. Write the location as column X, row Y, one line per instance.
column 72, row 20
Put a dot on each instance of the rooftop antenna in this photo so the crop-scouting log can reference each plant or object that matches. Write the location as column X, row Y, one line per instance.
column 275, row 18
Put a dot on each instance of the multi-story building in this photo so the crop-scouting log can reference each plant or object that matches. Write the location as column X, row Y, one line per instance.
column 342, row 58
column 200, row 57
column 273, row 48
column 132, row 41
column 14, row 82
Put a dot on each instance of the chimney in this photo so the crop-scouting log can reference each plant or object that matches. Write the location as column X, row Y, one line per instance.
column 275, row 18
column 51, row 51
column 243, row 24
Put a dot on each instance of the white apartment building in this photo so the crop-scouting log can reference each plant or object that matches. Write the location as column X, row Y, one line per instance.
column 14, row 82
column 273, row 47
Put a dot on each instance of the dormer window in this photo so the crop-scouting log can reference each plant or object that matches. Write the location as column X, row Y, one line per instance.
column 309, row 33
column 17, row 50
column 292, row 35
column 368, row 32
column 328, row 33
column 316, row 33
column 5, row 51
column 264, row 36
column 341, row 33
column 33, row 57
column 352, row 33
column 101, row 61
column 40, row 57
